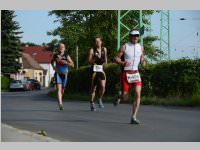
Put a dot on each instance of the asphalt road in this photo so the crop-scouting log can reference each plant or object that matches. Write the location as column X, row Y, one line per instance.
column 34, row 111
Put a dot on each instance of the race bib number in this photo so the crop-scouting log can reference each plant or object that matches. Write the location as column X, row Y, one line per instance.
column 132, row 78
column 98, row 68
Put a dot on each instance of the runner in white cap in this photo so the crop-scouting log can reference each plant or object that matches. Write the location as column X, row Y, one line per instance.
column 129, row 56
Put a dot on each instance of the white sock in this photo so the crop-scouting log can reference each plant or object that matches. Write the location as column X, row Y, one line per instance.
column 134, row 117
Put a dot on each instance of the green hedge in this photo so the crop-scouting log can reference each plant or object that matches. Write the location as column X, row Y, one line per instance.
column 80, row 80
column 176, row 78
column 4, row 83
column 165, row 79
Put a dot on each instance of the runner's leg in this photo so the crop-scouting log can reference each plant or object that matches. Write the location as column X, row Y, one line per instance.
column 103, row 87
column 93, row 91
column 59, row 85
column 124, row 90
column 124, row 96
column 136, row 102
column 93, row 87
column 59, row 88
column 102, row 91
column 64, row 82
column 124, row 87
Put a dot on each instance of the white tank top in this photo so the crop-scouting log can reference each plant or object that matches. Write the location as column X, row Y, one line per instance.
column 132, row 54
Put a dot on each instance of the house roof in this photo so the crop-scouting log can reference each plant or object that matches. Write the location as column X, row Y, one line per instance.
column 29, row 62
column 39, row 53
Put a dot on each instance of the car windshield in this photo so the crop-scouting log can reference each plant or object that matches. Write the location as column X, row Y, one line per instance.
column 16, row 81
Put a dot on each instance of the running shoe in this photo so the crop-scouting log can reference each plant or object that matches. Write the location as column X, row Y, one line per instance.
column 100, row 103
column 134, row 121
column 92, row 107
column 116, row 101
column 61, row 106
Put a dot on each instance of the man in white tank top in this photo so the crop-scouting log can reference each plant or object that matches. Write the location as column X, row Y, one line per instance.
column 129, row 56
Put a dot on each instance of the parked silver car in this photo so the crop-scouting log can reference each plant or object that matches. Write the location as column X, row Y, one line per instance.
column 17, row 85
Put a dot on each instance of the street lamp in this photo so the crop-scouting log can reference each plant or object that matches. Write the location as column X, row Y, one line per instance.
column 182, row 19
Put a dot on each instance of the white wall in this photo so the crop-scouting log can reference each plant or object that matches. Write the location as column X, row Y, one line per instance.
column 50, row 73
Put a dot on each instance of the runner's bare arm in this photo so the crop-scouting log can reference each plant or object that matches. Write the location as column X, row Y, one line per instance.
column 106, row 60
column 90, row 58
column 118, row 56
column 70, row 62
column 142, row 60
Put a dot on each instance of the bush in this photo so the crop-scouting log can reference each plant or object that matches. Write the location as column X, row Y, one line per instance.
column 176, row 78
column 80, row 80
column 146, row 75
column 180, row 78
column 4, row 83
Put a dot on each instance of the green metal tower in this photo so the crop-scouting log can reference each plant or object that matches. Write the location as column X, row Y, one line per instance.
column 148, row 26
column 137, row 23
column 165, row 34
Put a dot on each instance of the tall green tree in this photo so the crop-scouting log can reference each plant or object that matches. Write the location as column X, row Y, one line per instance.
column 10, row 43
column 79, row 27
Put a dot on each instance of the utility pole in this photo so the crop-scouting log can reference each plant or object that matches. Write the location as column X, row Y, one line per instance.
column 197, row 47
column 137, row 22
column 118, row 29
column 165, row 34
column 141, row 28
column 76, row 56
column 148, row 26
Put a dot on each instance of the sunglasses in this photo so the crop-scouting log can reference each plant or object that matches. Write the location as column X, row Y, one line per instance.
column 136, row 35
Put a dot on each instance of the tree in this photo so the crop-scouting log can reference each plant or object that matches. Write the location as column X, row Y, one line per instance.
column 51, row 46
column 79, row 27
column 10, row 44
column 150, row 51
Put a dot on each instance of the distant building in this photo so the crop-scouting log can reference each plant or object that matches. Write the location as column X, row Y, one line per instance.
column 30, row 69
column 43, row 57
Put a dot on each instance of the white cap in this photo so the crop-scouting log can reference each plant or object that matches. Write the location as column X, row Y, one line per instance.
column 134, row 32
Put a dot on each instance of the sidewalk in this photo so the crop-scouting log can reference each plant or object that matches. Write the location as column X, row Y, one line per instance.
column 11, row 134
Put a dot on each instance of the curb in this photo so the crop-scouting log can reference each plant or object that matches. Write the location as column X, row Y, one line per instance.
column 12, row 134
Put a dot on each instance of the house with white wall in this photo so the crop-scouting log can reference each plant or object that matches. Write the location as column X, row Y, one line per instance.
column 43, row 57
column 30, row 69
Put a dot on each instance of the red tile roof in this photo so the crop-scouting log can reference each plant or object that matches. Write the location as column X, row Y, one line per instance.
column 39, row 53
